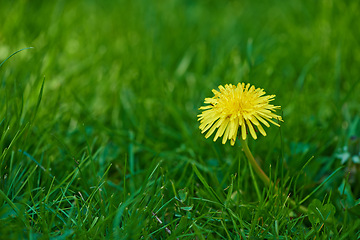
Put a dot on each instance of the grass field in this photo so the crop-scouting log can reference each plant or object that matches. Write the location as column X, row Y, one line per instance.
column 99, row 131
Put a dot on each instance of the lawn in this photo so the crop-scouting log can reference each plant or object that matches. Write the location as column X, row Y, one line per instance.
column 99, row 130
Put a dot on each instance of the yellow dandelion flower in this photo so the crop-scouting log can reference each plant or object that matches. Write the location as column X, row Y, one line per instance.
column 235, row 107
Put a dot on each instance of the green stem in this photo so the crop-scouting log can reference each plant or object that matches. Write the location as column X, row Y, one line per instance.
column 263, row 175
column 254, row 164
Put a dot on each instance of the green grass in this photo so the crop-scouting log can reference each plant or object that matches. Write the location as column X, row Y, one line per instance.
column 99, row 134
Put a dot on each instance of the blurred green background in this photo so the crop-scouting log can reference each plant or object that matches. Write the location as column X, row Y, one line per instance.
column 123, row 81
column 146, row 66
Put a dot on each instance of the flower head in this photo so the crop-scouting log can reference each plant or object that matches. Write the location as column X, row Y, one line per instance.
column 235, row 107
